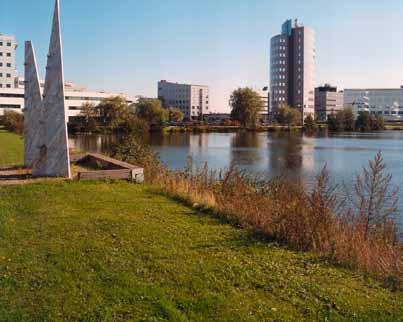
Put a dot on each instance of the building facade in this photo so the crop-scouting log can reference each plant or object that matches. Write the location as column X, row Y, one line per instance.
column 8, row 70
column 76, row 96
column 292, row 68
column 264, row 94
column 192, row 100
column 387, row 102
column 328, row 101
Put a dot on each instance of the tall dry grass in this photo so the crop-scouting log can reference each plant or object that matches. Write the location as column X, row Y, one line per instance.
column 358, row 231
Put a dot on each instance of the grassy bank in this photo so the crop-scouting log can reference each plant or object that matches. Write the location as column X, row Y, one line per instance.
column 117, row 251
column 11, row 149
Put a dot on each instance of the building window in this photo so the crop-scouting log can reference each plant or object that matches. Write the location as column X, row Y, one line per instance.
column 8, row 75
column 8, row 86
column 9, row 44
column 1, row 74
column 8, row 65
column 8, row 54
column 1, row 54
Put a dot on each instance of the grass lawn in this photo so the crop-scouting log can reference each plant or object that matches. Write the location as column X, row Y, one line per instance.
column 121, row 252
column 11, row 149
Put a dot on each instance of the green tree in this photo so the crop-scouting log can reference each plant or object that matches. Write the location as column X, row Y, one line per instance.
column 175, row 115
column 310, row 125
column 340, row 121
column 332, row 122
column 151, row 110
column 363, row 122
column 113, row 112
column 288, row 116
column 13, row 121
column 349, row 120
column 378, row 123
column 89, row 112
column 246, row 106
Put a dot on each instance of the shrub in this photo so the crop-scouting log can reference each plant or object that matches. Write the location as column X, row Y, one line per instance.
column 13, row 122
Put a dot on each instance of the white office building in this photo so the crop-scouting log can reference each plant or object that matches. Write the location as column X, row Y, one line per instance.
column 192, row 100
column 328, row 101
column 8, row 70
column 76, row 96
column 387, row 102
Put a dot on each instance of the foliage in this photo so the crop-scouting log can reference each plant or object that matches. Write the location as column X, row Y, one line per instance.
column 13, row 122
column 363, row 122
column 113, row 112
column 151, row 111
column 311, row 220
column 175, row 115
column 288, row 116
column 349, row 120
column 376, row 202
column 310, row 125
column 246, row 106
column 115, row 251
column 90, row 113
column 131, row 149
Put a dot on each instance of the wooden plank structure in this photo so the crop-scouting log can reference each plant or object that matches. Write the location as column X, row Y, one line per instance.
column 111, row 168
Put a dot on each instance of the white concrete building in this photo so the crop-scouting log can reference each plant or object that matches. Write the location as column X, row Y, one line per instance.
column 192, row 100
column 264, row 94
column 387, row 102
column 76, row 96
column 292, row 68
column 328, row 101
column 8, row 70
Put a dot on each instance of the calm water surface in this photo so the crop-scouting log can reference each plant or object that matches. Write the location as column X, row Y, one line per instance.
column 272, row 154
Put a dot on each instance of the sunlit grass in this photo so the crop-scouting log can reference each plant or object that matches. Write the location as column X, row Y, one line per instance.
column 117, row 252
column 11, row 149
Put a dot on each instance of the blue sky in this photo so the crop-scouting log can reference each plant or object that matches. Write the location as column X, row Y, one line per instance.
column 128, row 45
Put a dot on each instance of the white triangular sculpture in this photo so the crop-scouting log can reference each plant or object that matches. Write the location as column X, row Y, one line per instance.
column 52, row 159
column 33, row 119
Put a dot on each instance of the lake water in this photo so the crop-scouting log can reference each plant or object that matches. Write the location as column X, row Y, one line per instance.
column 273, row 154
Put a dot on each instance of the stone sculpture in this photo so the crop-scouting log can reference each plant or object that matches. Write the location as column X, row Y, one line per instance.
column 46, row 141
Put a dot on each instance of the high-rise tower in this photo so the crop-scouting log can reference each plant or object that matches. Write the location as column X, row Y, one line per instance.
column 292, row 68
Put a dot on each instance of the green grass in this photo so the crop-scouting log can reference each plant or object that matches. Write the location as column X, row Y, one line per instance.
column 11, row 149
column 122, row 252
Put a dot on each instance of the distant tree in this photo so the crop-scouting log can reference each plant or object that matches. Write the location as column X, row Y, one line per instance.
column 377, row 123
column 89, row 112
column 13, row 122
column 288, row 116
column 175, row 115
column 349, row 120
column 340, row 121
column 332, row 122
column 310, row 125
column 113, row 111
column 151, row 111
column 363, row 122
column 246, row 106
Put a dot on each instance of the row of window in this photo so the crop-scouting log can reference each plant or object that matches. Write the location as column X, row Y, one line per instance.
column 7, row 75
column 8, row 44
column 7, row 54
column 7, row 86
column 8, row 65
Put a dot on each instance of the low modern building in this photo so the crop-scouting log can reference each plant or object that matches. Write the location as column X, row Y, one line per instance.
column 13, row 98
column 264, row 94
column 387, row 102
column 8, row 70
column 327, row 101
column 192, row 100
